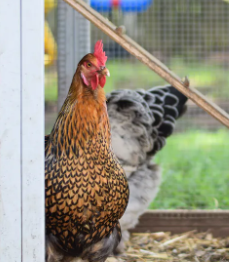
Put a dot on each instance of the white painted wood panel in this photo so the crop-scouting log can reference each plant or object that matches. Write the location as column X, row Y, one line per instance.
column 10, row 130
column 21, row 131
column 33, row 131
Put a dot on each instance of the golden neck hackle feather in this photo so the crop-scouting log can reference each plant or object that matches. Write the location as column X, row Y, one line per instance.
column 82, row 116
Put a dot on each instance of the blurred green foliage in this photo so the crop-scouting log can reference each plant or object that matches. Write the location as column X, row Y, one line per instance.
column 210, row 79
column 195, row 171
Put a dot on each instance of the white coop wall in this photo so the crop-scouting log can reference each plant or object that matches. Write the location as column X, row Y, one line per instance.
column 22, row 131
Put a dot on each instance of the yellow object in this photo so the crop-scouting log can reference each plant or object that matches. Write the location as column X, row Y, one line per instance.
column 50, row 43
column 50, row 46
column 49, row 5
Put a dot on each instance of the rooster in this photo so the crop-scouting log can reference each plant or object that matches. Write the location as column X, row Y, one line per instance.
column 86, row 191
column 140, row 123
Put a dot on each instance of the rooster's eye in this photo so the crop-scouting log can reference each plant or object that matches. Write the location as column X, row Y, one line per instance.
column 88, row 64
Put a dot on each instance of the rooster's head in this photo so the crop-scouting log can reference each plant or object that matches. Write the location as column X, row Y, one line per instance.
column 92, row 67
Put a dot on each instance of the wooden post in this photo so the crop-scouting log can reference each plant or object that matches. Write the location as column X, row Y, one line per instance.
column 22, row 131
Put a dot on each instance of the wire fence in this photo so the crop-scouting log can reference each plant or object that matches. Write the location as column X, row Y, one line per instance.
column 190, row 36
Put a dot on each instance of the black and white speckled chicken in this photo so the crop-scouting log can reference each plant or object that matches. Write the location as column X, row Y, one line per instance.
column 140, row 123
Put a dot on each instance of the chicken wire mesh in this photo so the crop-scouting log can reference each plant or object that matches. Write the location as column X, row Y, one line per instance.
column 190, row 36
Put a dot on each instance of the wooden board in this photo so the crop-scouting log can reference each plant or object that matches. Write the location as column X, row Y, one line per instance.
column 179, row 221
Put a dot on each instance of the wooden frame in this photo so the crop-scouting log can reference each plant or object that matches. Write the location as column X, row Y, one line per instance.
column 180, row 221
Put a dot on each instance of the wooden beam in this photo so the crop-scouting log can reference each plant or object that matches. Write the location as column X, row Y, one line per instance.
column 146, row 58
column 180, row 221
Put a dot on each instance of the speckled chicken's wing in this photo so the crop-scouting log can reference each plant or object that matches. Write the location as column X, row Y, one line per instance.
column 141, row 121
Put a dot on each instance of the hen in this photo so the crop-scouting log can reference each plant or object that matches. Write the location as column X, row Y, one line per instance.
column 86, row 191
column 140, row 123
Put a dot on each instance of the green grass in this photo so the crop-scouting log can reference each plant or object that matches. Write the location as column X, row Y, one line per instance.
column 195, row 171
column 212, row 79
column 51, row 91
column 130, row 76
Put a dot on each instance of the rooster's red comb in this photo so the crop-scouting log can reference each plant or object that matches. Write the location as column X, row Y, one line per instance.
column 99, row 54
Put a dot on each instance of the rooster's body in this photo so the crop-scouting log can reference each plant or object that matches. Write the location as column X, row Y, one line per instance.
column 86, row 189
column 140, row 123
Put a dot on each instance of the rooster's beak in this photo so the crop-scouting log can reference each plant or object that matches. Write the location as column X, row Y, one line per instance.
column 105, row 72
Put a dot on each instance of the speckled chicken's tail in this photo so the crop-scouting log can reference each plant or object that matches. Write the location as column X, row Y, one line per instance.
column 166, row 104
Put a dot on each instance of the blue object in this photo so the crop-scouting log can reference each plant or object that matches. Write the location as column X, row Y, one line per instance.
column 101, row 5
column 124, row 5
column 135, row 5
